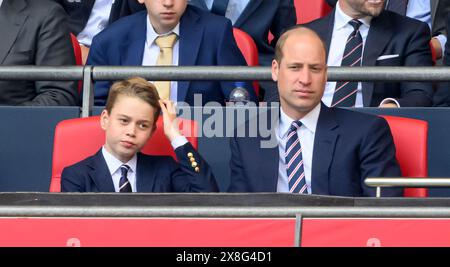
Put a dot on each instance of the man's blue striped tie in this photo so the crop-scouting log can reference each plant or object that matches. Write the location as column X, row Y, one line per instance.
column 294, row 161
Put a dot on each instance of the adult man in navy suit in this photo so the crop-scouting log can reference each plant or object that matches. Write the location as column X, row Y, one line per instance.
column 257, row 18
column 30, row 36
column 129, row 119
column 202, row 39
column 389, row 40
column 89, row 17
column 432, row 12
column 319, row 150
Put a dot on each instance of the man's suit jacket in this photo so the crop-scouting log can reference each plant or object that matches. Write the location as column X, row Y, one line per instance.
column 349, row 146
column 30, row 36
column 438, row 9
column 404, row 42
column 205, row 40
column 79, row 11
column 442, row 95
column 153, row 174
column 258, row 18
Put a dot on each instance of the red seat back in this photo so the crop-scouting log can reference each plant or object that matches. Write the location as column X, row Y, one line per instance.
column 410, row 138
column 77, row 139
column 78, row 59
column 76, row 49
column 309, row 10
column 249, row 50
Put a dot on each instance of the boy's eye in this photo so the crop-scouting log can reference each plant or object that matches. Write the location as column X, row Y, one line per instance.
column 143, row 126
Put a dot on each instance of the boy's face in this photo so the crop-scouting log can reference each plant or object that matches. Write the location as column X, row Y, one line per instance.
column 127, row 127
column 164, row 14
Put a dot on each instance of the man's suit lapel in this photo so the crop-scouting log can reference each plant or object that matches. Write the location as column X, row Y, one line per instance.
column 324, row 149
column 100, row 173
column 145, row 177
column 377, row 39
column 267, row 164
column 267, row 170
column 325, row 29
column 247, row 12
column 191, row 36
column 12, row 17
column 132, row 50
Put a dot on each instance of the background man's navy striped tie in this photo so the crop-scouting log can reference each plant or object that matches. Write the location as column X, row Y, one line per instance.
column 294, row 161
column 345, row 92
column 124, row 184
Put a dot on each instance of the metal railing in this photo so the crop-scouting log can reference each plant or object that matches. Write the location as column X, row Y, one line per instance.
column 406, row 182
column 89, row 74
column 180, row 73
column 224, row 212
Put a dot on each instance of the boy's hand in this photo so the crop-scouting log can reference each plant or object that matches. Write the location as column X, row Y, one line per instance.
column 171, row 129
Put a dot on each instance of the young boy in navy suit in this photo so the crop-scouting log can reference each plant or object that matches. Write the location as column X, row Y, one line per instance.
column 129, row 120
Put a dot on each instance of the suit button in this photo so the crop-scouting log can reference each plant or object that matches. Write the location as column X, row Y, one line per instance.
column 197, row 169
column 190, row 155
column 192, row 159
column 194, row 164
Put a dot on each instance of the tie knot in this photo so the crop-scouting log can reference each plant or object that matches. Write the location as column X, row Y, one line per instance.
column 124, row 170
column 355, row 24
column 295, row 126
column 166, row 41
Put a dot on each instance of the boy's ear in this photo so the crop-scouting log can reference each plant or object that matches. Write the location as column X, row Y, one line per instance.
column 104, row 119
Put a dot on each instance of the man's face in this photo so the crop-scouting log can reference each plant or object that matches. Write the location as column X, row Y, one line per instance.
column 164, row 14
column 362, row 8
column 301, row 74
column 128, row 127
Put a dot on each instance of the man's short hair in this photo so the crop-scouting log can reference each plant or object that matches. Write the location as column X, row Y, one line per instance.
column 135, row 87
column 282, row 40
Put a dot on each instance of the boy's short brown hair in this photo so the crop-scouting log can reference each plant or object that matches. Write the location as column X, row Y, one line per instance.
column 135, row 87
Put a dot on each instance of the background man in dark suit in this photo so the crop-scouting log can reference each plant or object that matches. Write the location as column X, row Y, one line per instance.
column 35, row 32
column 88, row 17
column 388, row 39
column 129, row 119
column 432, row 12
column 201, row 38
column 321, row 150
column 442, row 95
column 257, row 18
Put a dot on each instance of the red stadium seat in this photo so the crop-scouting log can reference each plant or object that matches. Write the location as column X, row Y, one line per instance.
column 249, row 51
column 410, row 138
column 309, row 10
column 77, row 139
column 78, row 59
column 76, row 49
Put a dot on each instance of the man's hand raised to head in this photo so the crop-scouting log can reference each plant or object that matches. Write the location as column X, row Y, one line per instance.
column 171, row 129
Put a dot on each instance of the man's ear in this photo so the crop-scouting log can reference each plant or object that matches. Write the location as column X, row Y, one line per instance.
column 104, row 119
column 275, row 67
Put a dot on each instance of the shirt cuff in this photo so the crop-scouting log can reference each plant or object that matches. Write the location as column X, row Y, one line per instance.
column 442, row 39
column 178, row 141
column 389, row 100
